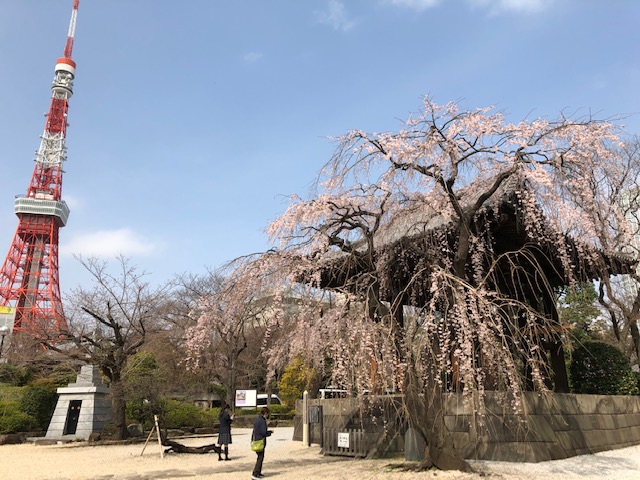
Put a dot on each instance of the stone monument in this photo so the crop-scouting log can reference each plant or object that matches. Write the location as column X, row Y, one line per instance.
column 83, row 407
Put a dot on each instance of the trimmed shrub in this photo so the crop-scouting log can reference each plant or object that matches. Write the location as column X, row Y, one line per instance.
column 180, row 414
column 12, row 420
column 14, row 375
column 600, row 368
column 39, row 401
column 283, row 411
column 141, row 412
column 10, row 393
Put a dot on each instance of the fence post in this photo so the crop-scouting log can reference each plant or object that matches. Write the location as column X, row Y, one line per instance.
column 305, row 418
column 321, row 421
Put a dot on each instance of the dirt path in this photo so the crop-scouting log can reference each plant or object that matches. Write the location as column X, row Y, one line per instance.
column 284, row 459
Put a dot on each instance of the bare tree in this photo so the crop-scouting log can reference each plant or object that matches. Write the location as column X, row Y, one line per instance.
column 621, row 297
column 109, row 323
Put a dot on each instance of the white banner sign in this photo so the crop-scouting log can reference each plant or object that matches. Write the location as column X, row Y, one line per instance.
column 7, row 318
column 246, row 398
column 343, row 440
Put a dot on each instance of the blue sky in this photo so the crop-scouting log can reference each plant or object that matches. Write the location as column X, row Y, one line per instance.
column 193, row 120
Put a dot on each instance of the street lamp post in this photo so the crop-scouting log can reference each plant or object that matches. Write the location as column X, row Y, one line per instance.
column 4, row 331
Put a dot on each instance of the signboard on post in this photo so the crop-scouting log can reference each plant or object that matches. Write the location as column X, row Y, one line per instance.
column 7, row 317
column 246, row 398
column 343, row 440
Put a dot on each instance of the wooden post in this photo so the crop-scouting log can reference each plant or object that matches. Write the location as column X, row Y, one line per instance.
column 155, row 428
column 155, row 419
column 148, row 438
column 305, row 418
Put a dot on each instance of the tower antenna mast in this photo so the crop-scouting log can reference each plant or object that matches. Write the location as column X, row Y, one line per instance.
column 30, row 298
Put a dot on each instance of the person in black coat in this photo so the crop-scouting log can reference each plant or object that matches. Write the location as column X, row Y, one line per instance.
column 224, row 435
column 260, row 432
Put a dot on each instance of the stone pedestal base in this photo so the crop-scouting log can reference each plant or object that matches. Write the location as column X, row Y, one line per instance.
column 83, row 407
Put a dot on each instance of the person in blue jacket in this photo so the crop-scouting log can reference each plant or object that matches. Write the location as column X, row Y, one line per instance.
column 260, row 432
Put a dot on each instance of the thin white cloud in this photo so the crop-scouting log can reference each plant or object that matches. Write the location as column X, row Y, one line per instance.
column 518, row 6
column 109, row 243
column 415, row 4
column 599, row 84
column 336, row 17
column 73, row 202
column 253, row 57
column 493, row 6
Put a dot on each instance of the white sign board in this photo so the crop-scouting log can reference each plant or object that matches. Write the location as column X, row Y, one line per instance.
column 343, row 440
column 246, row 398
column 7, row 318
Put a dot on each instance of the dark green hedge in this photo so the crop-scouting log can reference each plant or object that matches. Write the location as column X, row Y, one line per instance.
column 282, row 411
column 39, row 401
column 12, row 420
column 600, row 368
column 17, row 376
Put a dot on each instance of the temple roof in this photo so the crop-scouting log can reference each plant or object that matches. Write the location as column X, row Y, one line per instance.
column 413, row 243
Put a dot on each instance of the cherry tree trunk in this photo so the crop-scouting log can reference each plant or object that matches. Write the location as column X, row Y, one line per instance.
column 426, row 414
column 118, row 406
column 440, row 449
column 635, row 336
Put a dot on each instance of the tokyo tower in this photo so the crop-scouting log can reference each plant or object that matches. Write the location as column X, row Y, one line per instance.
column 29, row 287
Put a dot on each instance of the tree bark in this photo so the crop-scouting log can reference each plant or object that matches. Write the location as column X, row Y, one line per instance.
column 442, row 452
column 635, row 336
column 425, row 414
column 179, row 448
column 559, row 367
column 118, row 409
column 556, row 349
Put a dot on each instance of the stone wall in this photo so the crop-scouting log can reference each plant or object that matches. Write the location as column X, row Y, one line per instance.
column 555, row 426
column 552, row 426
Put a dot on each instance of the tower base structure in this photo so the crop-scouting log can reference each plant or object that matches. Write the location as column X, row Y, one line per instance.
column 83, row 407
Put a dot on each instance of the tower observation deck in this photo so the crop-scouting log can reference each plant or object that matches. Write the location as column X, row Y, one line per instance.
column 30, row 298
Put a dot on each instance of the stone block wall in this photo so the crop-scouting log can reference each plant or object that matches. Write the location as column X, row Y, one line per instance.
column 94, row 406
column 554, row 426
column 94, row 415
column 551, row 426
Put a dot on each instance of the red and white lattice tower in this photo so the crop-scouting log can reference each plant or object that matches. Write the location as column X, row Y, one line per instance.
column 29, row 285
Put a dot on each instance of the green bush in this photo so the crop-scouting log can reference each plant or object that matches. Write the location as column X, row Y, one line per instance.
column 141, row 388
column 10, row 393
column 144, row 377
column 60, row 375
column 283, row 411
column 178, row 414
column 14, row 375
column 12, row 420
column 240, row 412
column 141, row 412
column 600, row 368
column 39, row 401
column 296, row 378
column 172, row 414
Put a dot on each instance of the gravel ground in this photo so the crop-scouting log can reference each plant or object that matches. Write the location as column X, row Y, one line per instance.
column 284, row 459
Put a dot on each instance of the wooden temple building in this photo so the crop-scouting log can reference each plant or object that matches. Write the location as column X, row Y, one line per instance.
column 529, row 260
